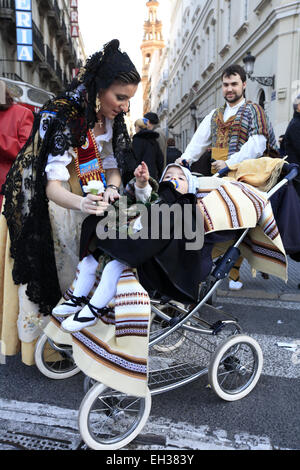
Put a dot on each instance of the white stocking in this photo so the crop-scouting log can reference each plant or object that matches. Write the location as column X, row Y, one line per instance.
column 104, row 293
column 107, row 287
column 87, row 276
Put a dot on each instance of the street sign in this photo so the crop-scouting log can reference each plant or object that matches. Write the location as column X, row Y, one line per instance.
column 24, row 30
column 74, row 19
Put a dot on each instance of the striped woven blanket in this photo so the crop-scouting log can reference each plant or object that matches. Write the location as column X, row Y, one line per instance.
column 115, row 350
column 232, row 206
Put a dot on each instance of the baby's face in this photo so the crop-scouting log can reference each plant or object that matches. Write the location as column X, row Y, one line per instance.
column 174, row 173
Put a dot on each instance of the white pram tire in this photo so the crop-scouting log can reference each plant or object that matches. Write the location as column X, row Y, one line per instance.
column 56, row 369
column 108, row 426
column 235, row 367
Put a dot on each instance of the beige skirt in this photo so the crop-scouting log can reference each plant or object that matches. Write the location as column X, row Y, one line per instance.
column 20, row 320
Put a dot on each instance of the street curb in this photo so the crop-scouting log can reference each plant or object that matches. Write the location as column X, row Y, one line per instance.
column 258, row 294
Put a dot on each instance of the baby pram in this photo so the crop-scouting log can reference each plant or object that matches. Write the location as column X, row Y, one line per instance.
column 186, row 342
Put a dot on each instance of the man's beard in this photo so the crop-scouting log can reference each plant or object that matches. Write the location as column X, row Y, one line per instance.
column 234, row 98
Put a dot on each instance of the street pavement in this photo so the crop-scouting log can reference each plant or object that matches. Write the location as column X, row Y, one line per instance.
column 39, row 413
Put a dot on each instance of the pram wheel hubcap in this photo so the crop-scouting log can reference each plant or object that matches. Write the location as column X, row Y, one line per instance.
column 235, row 367
column 109, row 419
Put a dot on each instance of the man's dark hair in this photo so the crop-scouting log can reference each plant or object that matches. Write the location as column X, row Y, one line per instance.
column 171, row 142
column 235, row 70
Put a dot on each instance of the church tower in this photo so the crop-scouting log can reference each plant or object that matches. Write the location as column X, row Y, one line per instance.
column 153, row 40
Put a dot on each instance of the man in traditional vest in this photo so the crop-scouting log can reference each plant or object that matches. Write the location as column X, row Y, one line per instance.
column 237, row 131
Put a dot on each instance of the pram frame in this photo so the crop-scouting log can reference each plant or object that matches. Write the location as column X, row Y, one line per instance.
column 97, row 393
column 219, row 276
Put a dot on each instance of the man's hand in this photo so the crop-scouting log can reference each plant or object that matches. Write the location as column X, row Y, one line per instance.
column 142, row 175
column 219, row 165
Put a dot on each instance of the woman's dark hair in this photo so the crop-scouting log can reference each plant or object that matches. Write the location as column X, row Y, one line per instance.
column 235, row 70
column 101, row 70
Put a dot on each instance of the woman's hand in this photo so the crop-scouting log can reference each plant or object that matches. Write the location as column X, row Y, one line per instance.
column 94, row 205
column 111, row 195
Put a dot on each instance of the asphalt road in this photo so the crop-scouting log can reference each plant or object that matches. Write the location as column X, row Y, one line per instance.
column 191, row 417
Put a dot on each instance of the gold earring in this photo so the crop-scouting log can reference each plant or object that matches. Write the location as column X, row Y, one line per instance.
column 98, row 104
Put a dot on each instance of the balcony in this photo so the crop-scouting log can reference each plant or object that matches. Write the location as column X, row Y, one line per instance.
column 12, row 76
column 8, row 21
column 7, row 9
column 38, row 42
column 58, row 71
column 54, row 15
column 49, row 57
column 62, row 34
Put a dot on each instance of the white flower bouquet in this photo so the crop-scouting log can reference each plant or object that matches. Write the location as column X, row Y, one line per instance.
column 94, row 187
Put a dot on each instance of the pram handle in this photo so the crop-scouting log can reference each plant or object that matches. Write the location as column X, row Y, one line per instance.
column 223, row 172
column 185, row 164
column 293, row 169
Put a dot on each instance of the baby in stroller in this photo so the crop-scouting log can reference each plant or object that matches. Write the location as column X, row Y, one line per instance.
column 83, row 313
column 165, row 266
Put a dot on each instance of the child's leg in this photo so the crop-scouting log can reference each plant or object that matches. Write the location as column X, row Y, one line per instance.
column 106, row 289
column 104, row 293
column 83, row 285
column 87, row 276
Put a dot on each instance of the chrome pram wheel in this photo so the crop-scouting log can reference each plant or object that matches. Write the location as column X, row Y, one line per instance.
column 54, row 360
column 109, row 419
column 235, row 367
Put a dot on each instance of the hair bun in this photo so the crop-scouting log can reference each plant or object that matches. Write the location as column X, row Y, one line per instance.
column 112, row 46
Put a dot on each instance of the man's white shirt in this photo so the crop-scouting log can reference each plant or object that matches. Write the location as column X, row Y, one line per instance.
column 201, row 141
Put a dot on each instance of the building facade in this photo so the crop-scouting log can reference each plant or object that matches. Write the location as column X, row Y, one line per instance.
column 151, row 47
column 206, row 36
column 56, row 54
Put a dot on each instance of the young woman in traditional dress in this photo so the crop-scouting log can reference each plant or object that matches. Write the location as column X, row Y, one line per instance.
column 77, row 137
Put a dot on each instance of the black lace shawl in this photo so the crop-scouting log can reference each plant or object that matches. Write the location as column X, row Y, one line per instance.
column 26, row 202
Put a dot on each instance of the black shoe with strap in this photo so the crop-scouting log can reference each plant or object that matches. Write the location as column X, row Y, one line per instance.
column 74, row 301
column 99, row 312
column 81, row 319
column 71, row 306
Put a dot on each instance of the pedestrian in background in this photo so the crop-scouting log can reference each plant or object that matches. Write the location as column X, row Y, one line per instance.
column 172, row 152
column 281, row 141
column 15, row 127
column 292, row 140
column 292, row 135
column 153, row 125
column 146, row 148
column 237, row 131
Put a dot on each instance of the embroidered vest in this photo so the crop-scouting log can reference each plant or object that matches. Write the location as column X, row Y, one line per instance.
column 234, row 133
